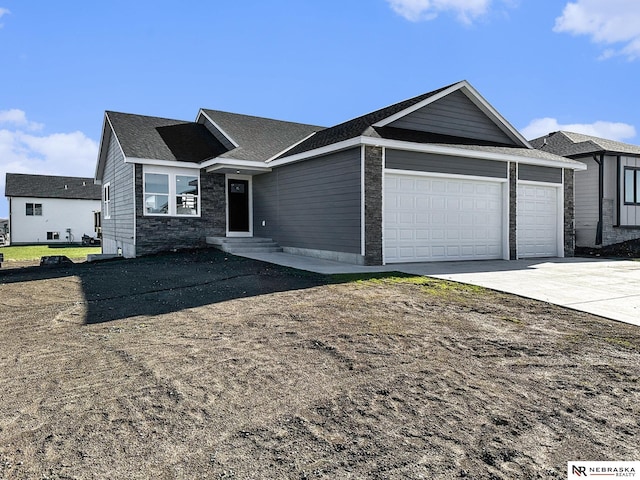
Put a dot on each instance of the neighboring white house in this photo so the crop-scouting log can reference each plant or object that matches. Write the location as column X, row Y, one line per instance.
column 51, row 209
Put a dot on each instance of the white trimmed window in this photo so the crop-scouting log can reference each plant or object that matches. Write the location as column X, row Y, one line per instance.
column 171, row 192
column 106, row 200
column 33, row 209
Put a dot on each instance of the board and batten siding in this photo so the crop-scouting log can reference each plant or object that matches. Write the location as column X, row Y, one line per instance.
column 118, row 231
column 629, row 214
column 454, row 115
column 314, row 204
column 426, row 162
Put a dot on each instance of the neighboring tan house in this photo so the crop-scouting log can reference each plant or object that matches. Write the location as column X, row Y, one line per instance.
column 51, row 209
column 441, row 176
column 607, row 193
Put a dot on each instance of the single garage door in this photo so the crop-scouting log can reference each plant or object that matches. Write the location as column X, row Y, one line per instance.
column 440, row 218
column 537, row 221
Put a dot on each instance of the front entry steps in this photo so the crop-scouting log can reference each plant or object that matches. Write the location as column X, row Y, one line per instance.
column 240, row 245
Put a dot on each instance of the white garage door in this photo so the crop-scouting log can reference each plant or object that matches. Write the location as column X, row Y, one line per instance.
column 537, row 221
column 435, row 219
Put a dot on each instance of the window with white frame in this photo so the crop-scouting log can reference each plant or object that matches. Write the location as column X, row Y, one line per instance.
column 33, row 209
column 172, row 192
column 631, row 186
column 106, row 200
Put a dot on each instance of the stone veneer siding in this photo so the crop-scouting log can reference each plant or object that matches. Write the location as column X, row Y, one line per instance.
column 569, row 213
column 615, row 234
column 156, row 234
column 513, row 210
column 373, row 205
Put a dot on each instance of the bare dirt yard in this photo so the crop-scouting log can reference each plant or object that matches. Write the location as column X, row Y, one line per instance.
column 198, row 365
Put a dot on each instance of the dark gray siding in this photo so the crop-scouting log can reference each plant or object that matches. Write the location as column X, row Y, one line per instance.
column 534, row 173
column 120, row 227
column 454, row 115
column 313, row 204
column 426, row 162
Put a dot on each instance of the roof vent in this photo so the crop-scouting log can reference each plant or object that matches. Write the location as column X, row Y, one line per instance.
column 66, row 187
column 84, row 184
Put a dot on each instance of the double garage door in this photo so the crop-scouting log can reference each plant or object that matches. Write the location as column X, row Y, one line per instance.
column 449, row 218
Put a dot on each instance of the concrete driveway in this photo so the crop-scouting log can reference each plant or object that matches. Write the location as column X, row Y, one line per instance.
column 604, row 287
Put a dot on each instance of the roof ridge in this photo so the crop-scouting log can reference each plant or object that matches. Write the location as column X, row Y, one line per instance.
column 259, row 117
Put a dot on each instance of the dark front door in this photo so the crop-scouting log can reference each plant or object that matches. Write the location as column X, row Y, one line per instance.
column 238, row 194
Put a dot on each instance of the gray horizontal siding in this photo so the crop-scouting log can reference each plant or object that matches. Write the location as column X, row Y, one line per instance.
column 313, row 204
column 120, row 227
column 426, row 162
column 534, row 173
column 454, row 115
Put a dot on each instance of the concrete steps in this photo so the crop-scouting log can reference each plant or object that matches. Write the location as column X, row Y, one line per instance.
column 240, row 245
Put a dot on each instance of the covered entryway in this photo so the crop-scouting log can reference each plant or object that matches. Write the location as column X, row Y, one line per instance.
column 441, row 218
column 537, row 221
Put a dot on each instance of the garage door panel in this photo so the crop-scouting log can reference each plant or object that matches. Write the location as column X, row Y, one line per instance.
column 537, row 221
column 451, row 219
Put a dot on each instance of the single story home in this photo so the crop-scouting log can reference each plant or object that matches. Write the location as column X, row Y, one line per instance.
column 51, row 209
column 607, row 193
column 441, row 176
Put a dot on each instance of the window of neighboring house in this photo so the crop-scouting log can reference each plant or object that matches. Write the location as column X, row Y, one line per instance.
column 174, row 194
column 34, row 209
column 53, row 235
column 631, row 186
column 106, row 200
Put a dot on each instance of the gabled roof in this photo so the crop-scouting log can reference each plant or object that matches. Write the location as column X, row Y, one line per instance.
column 374, row 123
column 166, row 139
column 570, row 144
column 50, row 186
column 255, row 138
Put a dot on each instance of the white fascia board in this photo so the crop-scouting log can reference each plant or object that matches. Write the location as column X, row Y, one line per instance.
column 163, row 163
column 290, row 147
column 334, row 147
column 232, row 162
column 226, row 135
column 107, row 131
column 427, row 148
column 419, row 105
column 463, row 152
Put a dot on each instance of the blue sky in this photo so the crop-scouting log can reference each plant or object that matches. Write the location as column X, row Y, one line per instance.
column 557, row 64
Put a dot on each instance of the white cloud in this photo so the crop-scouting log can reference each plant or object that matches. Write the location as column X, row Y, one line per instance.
column 22, row 151
column 609, row 130
column 3, row 12
column 417, row 10
column 607, row 22
column 18, row 118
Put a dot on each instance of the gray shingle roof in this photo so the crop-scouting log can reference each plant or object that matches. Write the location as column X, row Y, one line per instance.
column 258, row 138
column 570, row 144
column 163, row 138
column 49, row 186
column 357, row 126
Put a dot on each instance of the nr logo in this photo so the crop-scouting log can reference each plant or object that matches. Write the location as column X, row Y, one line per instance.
column 578, row 470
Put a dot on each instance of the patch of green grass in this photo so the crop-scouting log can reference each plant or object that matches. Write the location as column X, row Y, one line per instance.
column 513, row 320
column 34, row 252
column 429, row 285
column 621, row 342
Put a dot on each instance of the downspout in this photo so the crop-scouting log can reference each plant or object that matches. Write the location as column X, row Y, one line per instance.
column 600, row 163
